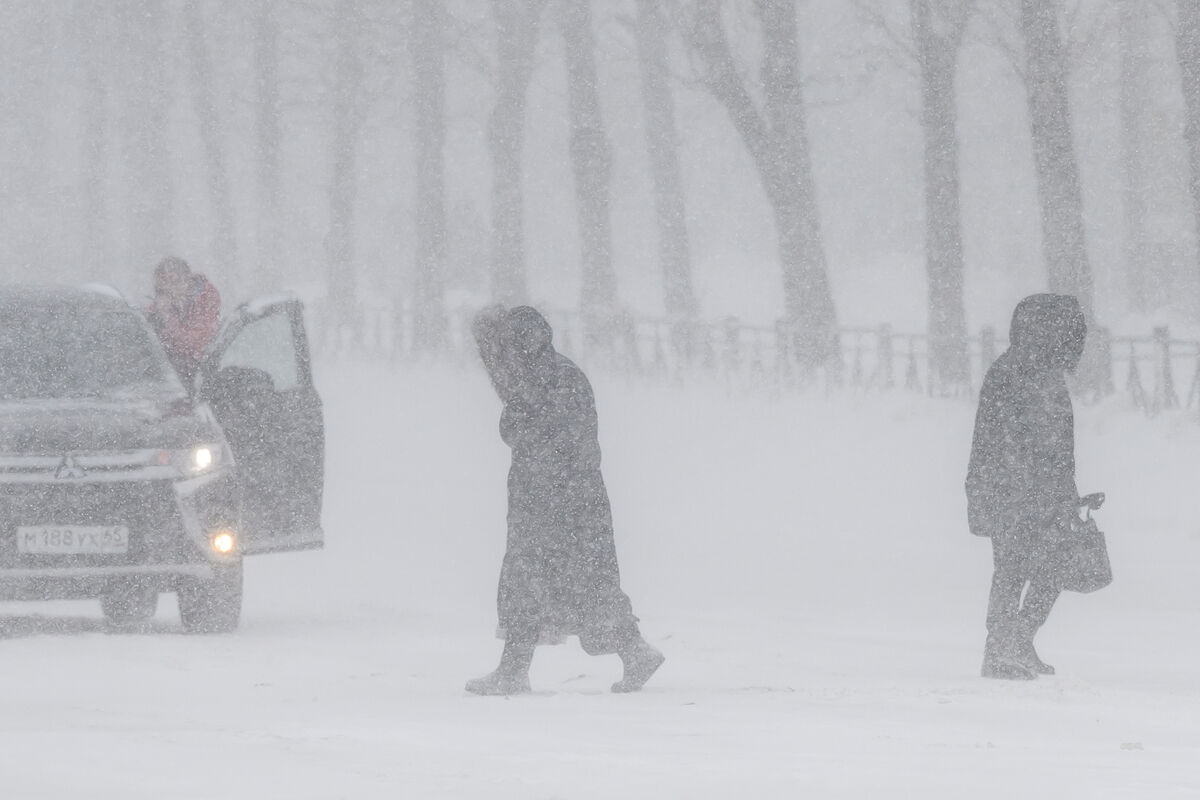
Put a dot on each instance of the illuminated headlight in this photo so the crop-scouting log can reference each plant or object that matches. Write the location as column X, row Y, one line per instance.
column 199, row 460
column 223, row 542
column 202, row 458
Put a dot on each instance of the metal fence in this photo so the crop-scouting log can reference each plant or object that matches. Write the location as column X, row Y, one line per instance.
column 1156, row 373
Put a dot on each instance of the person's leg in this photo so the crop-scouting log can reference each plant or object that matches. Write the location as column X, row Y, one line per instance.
column 512, row 675
column 1035, row 609
column 639, row 658
column 1000, row 652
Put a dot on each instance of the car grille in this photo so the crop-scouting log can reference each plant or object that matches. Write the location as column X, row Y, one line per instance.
column 146, row 508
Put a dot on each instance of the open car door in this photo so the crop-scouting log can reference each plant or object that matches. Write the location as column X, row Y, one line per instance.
column 257, row 379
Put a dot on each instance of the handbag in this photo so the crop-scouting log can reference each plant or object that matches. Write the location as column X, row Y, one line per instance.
column 1076, row 557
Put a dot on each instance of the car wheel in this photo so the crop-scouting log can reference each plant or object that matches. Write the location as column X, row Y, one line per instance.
column 129, row 604
column 213, row 605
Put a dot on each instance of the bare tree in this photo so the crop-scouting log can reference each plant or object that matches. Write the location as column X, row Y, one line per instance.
column 224, row 235
column 1187, row 48
column 429, row 64
column 591, row 162
column 1063, row 239
column 94, row 35
column 1133, row 52
column 674, row 249
column 938, row 29
column 268, row 119
column 145, row 101
column 777, row 139
column 517, row 24
column 348, row 114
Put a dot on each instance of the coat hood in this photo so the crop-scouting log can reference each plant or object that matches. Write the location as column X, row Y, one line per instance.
column 531, row 334
column 1048, row 332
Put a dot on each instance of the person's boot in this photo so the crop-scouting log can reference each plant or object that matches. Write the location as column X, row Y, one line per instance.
column 641, row 661
column 1027, row 655
column 1031, row 659
column 1001, row 661
column 512, row 676
column 1035, row 609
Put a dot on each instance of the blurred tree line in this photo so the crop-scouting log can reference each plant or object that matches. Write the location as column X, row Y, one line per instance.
column 253, row 136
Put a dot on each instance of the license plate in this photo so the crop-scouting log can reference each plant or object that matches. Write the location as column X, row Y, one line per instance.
column 72, row 540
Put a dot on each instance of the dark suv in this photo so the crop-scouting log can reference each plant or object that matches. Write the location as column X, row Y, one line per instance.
column 118, row 482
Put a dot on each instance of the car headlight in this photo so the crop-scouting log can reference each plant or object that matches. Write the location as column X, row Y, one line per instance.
column 199, row 460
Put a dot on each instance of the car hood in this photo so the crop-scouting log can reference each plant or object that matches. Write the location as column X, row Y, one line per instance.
column 50, row 427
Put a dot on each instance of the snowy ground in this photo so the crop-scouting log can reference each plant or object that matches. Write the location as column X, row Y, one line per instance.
column 803, row 564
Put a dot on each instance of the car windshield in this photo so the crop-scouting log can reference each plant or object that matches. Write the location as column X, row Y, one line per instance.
column 64, row 351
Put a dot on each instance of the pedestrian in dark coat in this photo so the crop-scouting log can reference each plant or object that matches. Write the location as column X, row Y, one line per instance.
column 1021, row 479
column 559, row 576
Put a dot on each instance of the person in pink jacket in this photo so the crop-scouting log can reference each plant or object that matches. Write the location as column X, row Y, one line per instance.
column 184, row 313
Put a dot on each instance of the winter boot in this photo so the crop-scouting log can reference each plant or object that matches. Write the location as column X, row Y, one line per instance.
column 1028, row 656
column 1033, row 615
column 498, row 682
column 512, row 676
column 1001, row 661
column 641, row 661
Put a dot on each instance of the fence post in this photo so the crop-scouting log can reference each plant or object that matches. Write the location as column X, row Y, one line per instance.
column 1133, row 380
column 733, row 344
column 708, row 350
column 1194, row 390
column 628, row 327
column 912, row 376
column 1105, row 356
column 399, row 339
column 1164, row 389
column 856, row 369
column 658, row 361
column 885, row 368
column 683, row 343
column 783, row 351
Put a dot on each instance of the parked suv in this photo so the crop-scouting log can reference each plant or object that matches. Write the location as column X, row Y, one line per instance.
column 118, row 482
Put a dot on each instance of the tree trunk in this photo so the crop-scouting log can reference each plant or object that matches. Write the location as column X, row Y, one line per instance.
column 430, row 68
column 516, row 34
column 806, row 277
column 1187, row 48
column 937, row 56
column 342, row 280
column 591, row 162
column 224, row 241
column 1063, row 240
column 1131, row 42
column 674, row 249
column 145, row 100
column 779, row 147
column 94, row 39
column 268, row 120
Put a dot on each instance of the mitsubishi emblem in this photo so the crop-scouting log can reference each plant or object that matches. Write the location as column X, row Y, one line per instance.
column 68, row 469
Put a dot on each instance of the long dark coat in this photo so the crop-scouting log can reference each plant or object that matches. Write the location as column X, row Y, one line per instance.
column 560, row 574
column 1021, row 477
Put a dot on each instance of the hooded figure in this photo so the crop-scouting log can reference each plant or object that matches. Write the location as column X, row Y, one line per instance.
column 559, row 575
column 184, row 313
column 1021, row 478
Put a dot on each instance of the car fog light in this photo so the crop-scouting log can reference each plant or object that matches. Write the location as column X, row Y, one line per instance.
column 202, row 458
column 223, row 542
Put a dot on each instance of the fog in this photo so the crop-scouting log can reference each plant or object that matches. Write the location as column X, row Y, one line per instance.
column 105, row 128
column 783, row 238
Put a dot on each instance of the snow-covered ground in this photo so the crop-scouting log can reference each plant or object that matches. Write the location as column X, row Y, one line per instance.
column 802, row 561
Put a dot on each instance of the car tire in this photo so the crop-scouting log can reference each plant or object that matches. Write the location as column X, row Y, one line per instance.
column 129, row 604
column 213, row 605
